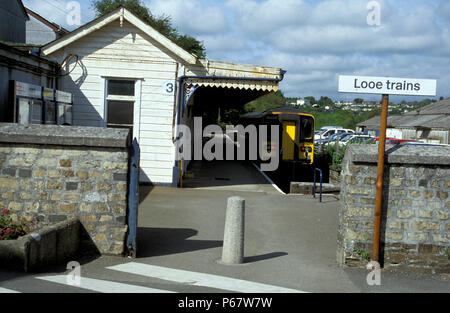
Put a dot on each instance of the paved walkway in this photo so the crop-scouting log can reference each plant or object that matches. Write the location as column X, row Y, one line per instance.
column 228, row 176
column 290, row 240
column 290, row 246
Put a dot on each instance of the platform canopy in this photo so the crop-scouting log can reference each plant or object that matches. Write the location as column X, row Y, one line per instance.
column 235, row 76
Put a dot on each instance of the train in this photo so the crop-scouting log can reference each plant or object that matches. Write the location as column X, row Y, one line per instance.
column 296, row 133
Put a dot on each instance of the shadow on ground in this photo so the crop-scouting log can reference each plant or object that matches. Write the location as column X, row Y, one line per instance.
column 144, row 191
column 262, row 257
column 165, row 241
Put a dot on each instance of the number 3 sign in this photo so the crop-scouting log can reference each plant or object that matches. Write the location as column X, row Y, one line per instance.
column 169, row 87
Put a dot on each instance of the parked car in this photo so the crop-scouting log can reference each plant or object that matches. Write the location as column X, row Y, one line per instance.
column 327, row 133
column 356, row 138
column 377, row 139
column 395, row 141
column 333, row 138
column 420, row 143
column 392, row 141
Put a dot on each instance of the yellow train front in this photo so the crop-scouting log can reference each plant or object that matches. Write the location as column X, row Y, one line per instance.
column 296, row 133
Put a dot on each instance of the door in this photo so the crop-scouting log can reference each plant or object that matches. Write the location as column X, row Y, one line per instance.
column 288, row 140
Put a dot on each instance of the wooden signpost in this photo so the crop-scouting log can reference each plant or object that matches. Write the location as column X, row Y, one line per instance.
column 384, row 86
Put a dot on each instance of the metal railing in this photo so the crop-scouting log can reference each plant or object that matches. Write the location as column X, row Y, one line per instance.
column 314, row 186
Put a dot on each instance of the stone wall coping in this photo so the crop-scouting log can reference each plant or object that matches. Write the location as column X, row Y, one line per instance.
column 64, row 135
column 401, row 154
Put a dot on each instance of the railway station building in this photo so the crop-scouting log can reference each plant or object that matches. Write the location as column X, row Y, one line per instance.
column 123, row 73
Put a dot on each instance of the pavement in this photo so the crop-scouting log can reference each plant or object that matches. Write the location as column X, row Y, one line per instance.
column 290, row 245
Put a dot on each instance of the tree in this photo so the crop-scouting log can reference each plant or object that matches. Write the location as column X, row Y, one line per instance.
column 162, row 24
column 325, row 101
column 267, row 102
column 311, row 99
column 358, row 101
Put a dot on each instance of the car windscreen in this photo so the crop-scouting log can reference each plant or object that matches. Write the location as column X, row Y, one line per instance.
column 346, row 137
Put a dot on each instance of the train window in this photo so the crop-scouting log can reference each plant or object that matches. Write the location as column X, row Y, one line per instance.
column 307, row 128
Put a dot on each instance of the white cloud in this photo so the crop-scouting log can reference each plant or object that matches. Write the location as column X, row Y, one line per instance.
column 316, row 41
column 313, row 40
column 223, row 43
column 260, row 17
column 193, row 17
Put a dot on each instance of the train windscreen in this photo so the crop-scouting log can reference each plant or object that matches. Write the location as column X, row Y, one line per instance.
column 306, row 129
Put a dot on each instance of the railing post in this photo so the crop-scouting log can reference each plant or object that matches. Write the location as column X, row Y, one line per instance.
column 314, row 185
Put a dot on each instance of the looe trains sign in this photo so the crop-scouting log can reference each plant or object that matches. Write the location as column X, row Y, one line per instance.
column 387, row 85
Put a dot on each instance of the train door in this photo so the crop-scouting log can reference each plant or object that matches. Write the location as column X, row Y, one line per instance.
column 288, row 140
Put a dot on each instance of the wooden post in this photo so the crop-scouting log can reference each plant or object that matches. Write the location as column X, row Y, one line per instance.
column 380, row 174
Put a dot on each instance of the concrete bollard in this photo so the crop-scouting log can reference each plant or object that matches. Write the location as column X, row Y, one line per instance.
column 233, row 240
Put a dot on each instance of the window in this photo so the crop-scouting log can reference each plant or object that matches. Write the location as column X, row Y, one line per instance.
column 121, row 87
column 120, row 113
column 120, row 100
column 306, row 129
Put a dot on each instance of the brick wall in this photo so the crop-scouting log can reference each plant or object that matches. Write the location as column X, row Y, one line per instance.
column 53, row 172
column 415, row 232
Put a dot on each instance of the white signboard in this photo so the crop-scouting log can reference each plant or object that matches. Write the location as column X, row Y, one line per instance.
column 28, row 90
column 62, row 96
column 387, row 85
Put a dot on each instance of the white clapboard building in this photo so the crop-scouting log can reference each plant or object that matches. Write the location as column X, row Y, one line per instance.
column 123, row 73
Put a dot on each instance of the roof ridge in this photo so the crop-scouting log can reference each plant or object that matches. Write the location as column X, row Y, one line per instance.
column 122, row 13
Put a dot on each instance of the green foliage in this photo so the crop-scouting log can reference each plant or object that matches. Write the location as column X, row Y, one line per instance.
column 267, row 102
column 162, row 24
column 8, row 228
column 363, row 254
column 191, row 44
column 336, row 156
column 325, row 101
column 358, row 100
column 312, row 100
column 420, row 104
column 346, row 119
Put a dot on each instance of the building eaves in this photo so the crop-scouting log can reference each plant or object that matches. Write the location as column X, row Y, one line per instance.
column 24, row 10
column 410, row 121
column 53, row 26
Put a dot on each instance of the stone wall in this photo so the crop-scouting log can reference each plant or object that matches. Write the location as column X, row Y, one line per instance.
column 415, row 233
column 50, row 173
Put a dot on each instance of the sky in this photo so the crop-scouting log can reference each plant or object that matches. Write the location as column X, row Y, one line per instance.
column 313, row 41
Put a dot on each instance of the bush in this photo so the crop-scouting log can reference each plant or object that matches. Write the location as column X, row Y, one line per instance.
column 336, row 156
column 9, row 229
